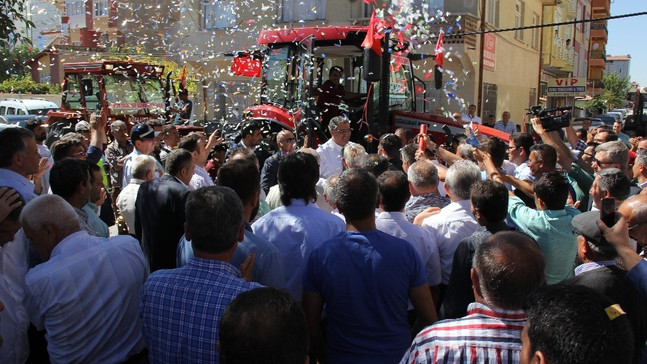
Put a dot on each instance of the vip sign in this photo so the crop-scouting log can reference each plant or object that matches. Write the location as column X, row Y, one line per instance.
column 568, row 87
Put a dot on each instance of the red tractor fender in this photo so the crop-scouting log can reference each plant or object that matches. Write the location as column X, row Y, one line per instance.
column 435, row 124
column 274, row 114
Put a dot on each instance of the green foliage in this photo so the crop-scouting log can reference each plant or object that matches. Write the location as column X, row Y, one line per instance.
column 12, row 13
column 25, row 85
column 596, row 104
column 615, row 90
column 12, row 61
column 614, row 95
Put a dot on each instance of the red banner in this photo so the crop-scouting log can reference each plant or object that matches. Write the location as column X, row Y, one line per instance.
column 244, row 65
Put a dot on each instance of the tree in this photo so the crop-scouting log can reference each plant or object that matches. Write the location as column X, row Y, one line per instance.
column 13, row 59
column 12, row 13
column 615, row 90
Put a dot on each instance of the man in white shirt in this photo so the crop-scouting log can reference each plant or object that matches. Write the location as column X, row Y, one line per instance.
column 471, row 116
column 199, row 148
column 143, row 170
column 19, row 159
column 331, row 151
column 455, row 221
column 86, row 292
column 505, row 125
column 394, row 193
column 40, row 134
column 518, row 153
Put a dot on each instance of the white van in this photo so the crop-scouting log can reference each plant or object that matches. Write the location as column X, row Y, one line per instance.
column 27, row 107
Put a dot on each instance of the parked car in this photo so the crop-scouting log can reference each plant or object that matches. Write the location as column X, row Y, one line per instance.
column 617, row 115
column 27, row 107
column 20, row 120
column 607, row 119
column 621, row 111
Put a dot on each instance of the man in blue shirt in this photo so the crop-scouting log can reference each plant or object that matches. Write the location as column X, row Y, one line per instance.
column 181, row 308
column 298, row 226
column 242, row 176
column 365, row 278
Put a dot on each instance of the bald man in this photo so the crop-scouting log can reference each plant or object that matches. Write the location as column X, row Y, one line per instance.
column 634, row 210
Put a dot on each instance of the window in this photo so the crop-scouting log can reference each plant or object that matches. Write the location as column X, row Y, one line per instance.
column 72, row 93
column 73, row 8
column 100, row 8
column 218, row 14
column 367, row 10
column 535, row 31
column 492, row 16
column 519, row 8
column 298, row 10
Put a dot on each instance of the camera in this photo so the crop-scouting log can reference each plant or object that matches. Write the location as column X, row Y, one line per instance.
column 552, row 119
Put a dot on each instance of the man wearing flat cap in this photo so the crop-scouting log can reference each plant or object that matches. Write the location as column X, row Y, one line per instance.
column 598, row 270
column 143, row 138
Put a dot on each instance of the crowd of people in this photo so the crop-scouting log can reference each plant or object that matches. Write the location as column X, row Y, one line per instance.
column 486, row 252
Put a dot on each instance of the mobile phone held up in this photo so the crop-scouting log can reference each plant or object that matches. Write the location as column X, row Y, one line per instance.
column 608, row 211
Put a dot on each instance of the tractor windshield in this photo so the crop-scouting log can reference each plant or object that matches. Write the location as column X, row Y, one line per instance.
column 131, row 95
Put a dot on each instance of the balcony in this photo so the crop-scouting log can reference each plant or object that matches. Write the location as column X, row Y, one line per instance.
column 598, row 59
column 562, row 55
column 600, row 8
column 599, row 30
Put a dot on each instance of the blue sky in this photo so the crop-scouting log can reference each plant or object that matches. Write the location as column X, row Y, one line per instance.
column 627, row 36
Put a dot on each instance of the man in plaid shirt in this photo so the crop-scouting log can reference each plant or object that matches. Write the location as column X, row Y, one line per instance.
column 507, row 267
column 181, row 308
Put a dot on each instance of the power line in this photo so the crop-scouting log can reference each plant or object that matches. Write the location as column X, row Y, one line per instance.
column 548, row 25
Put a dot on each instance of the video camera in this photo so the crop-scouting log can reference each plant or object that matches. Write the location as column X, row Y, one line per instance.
column 549, row 118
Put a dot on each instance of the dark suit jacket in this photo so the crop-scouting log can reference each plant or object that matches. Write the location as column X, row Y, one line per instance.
column 270, row 172
column 159, row 220
column 459, row 292
column 610, row 281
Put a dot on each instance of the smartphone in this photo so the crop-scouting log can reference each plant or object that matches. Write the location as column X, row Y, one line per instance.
column 608, row 211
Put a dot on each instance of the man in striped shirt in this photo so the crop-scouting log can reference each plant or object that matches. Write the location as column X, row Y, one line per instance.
column 507, row 267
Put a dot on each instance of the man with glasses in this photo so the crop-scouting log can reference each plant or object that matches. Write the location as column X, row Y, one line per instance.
column 331, row 151
column 519, row 153
column 639, row 169
column 286, row 143
column 610, row 154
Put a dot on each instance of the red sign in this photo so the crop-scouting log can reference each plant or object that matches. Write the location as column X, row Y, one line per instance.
column 489, row 52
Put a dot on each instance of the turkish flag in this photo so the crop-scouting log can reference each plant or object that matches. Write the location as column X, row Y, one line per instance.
column 373, row 40
column 244, row 65
column 440, row 51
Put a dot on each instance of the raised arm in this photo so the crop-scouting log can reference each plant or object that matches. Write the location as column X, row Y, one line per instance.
column 496, row 174
column 564, row 155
